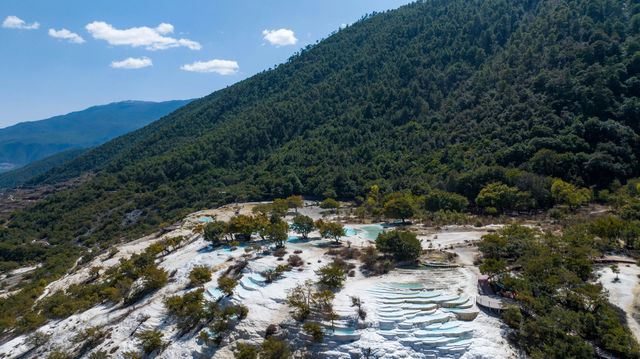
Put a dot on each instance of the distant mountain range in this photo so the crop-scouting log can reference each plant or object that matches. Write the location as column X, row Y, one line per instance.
column 23, row 175
column 28, row 142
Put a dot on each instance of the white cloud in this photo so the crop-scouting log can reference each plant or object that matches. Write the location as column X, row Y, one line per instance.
column 14, row 22
column 280, row 37
column 132, row 63
column 65, row 34
column 164, row 28
column 222, row 67
column 149, row 38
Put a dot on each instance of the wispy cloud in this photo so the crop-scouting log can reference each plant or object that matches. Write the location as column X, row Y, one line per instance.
column 222, row 67
column 65, row 34
column 280, row 37
column 147, row 37
column 132, row 63
column 14, row 22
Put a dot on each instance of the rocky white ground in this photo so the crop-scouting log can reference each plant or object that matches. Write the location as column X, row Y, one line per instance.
column 624, row 292
column 411, row 313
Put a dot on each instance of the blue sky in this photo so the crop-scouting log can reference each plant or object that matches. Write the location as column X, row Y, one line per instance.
column 61, row 56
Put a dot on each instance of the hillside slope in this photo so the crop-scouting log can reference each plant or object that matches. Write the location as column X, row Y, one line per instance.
column 452, row 94
column 27, row 173
column 27, row 142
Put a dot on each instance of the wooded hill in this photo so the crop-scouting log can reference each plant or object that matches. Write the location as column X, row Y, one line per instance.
column 447, row 94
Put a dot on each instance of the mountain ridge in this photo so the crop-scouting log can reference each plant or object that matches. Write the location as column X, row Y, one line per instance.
column 435, row 94
column 399, row 116
column 486, row 107
column 29, row 141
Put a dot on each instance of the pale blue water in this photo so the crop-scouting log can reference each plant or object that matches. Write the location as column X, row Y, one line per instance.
column 256, row 279
column 215, row 292
column 293, row 239
column 371, row 232
column 341, row 331
column 350, row 231
column 412, row 285
column 205, row 219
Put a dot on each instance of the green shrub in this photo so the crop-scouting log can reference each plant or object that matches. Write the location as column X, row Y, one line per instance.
column 331, row 230
column 273, row 348
column 150, row 340
column 188, row 310
column 303, row 225
column 512, row 316
column 100, row 354
column 199, row 275
column 227, row 284
column 314, row 330
column 58, row 354
column 245, row 351
column 215, row 232
column 403, row 245
column 437, row 200
column 332, row 276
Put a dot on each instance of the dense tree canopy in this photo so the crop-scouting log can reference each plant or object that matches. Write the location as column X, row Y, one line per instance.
column 403, row 245
column 551, row 279
column 461, row 96
column 448, row 87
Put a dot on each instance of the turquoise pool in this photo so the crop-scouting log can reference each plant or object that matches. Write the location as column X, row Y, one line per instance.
column 409, row 285
column 215, row 292
column 371, row 232
column 205, row 219
column 341, row 331
column 348, row 231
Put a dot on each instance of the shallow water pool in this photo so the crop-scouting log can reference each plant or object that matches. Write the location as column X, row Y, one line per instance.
column 348, row 231
column 341, row 331
column 293, row 239
column 215, row 292
column 371, row 232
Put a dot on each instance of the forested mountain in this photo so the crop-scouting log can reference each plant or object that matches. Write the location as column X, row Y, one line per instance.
column 449, row 94
column 27, row 173
column 27, row 142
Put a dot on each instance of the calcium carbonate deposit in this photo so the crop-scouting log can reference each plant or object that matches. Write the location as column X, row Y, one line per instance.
column 410, row 313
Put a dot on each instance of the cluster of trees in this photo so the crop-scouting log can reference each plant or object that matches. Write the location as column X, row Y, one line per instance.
column 150, row 340
column 469, row 97
column 403, row 245
column 79, row 345
column 240, row 228
column 491, row 198
column 311, row 305
column 271, row 275
column 127, row 282
column 271, row 348
column 407, row 205
column 563, row 311
column 191, row 312
column 199, row 275
column 333, row 275
column 330, row 230
column 270, row 226
column 374, row 263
